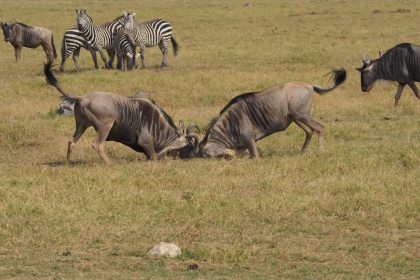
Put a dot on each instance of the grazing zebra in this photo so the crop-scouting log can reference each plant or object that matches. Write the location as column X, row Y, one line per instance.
column 99, row 37
column 152, row 33
column 125, row 50
column 73, row 41
column 21, row 35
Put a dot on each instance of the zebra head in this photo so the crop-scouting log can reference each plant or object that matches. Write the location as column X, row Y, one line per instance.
column 6, row 31
column 129, row 20
column 83, row 19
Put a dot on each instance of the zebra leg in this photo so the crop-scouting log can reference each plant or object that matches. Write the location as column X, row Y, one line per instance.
column 398, row 94
column 103, row 56
column 76, row 58
column 413, row 86
column 18, row 51
column 119, row 62
column 164, row 49
column 63, row 60
column 95, row 60
column 143, row 65
column 111, row 54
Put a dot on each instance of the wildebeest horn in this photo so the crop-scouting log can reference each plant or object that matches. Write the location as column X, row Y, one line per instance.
column 181, row 127
column 366, row 59
column 191, row 126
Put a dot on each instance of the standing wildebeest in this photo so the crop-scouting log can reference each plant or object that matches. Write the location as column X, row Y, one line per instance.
column 252, row 116
column 135, row 122
column 21, row 35
column 400, row 64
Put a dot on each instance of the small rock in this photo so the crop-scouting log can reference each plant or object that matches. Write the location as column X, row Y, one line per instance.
column 165, row 249
column 193, row 266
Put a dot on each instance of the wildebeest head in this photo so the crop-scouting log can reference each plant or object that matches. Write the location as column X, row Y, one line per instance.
column 6, row 31
column 83, row 19
column 212, row 145
column 129, row 20
column 367, row 75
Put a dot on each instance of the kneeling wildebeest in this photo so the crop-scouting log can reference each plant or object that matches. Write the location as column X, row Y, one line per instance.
column 252, row 116
column 400, row 64
column 21, row 35
column 135, row 122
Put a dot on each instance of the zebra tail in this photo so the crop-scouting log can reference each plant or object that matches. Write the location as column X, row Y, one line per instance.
column 175, row 46
column 51, row 80
column 53, row 46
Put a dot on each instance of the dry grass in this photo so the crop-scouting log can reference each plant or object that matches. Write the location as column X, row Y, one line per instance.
column 351, row 212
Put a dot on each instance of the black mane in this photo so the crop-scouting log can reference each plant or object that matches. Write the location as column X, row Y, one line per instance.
column 236, row 99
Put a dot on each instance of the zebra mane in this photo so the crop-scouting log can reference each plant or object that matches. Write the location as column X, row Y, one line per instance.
column 236, row 99
column 116, row 19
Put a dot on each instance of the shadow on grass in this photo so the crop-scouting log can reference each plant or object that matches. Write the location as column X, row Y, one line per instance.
column 64, row 163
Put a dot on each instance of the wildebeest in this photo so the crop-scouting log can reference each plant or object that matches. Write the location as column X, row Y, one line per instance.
column 135, row 122
column 21, row 35
column 400, row 64
column 252, row 116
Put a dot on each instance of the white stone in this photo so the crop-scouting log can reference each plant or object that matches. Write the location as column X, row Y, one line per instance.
column 165, row 249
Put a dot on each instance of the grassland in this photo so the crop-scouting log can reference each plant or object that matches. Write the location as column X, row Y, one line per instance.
column 351, row 212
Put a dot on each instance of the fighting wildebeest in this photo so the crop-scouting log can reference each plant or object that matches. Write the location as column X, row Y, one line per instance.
column 252, row 116
column 135, row 122
column 21, row 35
column 400, row 64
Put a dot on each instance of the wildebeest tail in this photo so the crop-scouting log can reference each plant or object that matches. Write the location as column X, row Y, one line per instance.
column 175, row 45
column 338, row 75
column 51, row 80
column 53, row 46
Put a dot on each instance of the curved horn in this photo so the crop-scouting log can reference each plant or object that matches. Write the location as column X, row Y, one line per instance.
column 191, row 126
column 366, row 59
column 181, row 127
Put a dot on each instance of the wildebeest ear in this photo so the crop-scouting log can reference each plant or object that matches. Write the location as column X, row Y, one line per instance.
column 181, row 127
column 366, row 59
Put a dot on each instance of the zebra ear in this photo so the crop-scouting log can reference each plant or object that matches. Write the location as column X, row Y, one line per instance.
column 124, row 13
column 77, row 11
column 134, row 14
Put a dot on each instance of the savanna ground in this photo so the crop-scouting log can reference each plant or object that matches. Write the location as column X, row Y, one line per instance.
column 349, row 212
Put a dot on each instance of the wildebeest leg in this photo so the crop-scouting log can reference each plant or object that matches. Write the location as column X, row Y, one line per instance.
column 252, row 148
column 95, row 60
column 80, row 129
column 48, row 52
column 98, row 145
column 150, row 152
column 18, row 51
column 164, row 49
column 315, row 126
column 103, row 56
column 399, row 92
column 413, row 86
column 308, row 132
column 76, row 58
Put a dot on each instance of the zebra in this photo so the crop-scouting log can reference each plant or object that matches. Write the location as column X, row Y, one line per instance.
column 73, row 41
column 152, row 33
column 99, row 37
column 125, row 50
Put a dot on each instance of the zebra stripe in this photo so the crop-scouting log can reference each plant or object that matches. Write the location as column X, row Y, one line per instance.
column 124, row 49
column 151, row 33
